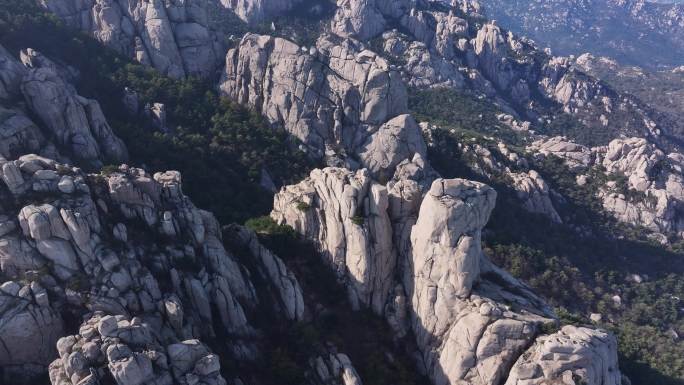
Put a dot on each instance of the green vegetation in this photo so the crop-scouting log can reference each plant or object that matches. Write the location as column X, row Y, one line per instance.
column 456, row 110
column 303, row 206
column 358, row 220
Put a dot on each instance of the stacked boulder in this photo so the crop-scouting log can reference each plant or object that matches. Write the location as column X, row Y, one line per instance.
column 129, row 352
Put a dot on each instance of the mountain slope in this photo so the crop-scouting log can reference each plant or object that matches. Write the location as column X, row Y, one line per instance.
column 638, row 32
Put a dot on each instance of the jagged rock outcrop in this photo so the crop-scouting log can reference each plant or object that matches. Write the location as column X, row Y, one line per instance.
column 571, row 355
column 129, row 351
column 652, row 196
column 68, row 122
column 345, row 214
column 464, row 332
column 365, row 19
column 29, row 328
column 285, row 285
column 127, row 244
column 535, row 194
column 337, row 99
column 575, row 156
column 175, row 37
column 19, row 135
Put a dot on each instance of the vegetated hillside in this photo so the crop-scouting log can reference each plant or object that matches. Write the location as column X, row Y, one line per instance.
column 638, row 33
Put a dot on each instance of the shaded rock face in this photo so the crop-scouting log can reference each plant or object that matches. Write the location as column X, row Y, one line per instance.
column 333, row 369
column 11, row 73
column 535, row 194
column 130, row 247
column 173, row 36
column 67, row 121
column 338, row 100
column 29, row 330
column 345, row 214
column 471, row 320
column 75, row 123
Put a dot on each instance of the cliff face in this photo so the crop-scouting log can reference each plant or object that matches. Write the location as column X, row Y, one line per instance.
column 174, row 37
column 132, row 252
column 343, row 103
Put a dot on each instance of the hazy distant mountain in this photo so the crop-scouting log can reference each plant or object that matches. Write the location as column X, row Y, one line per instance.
column 634, row 32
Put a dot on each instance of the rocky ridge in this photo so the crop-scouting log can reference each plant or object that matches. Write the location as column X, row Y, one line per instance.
column 132, row 250
column 471, row 320
column 435, row 46
column 131, row 254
